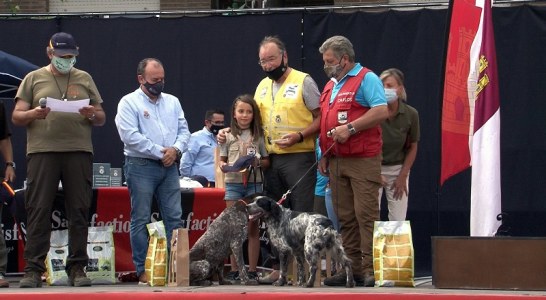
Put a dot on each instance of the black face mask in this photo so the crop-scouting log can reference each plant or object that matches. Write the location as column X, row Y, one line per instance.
column 216, row 128
column 277, row 73
column 154, row 89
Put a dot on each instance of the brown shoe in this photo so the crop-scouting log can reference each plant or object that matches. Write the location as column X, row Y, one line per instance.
column 31, row 279
column 369, row 280
column 3, row 282
column 143, row 279
column 77, row 277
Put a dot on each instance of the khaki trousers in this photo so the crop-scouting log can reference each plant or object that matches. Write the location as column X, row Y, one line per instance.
column 355, row 182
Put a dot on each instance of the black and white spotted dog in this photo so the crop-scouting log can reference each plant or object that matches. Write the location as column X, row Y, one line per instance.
column 224, row 236
column 304, row 235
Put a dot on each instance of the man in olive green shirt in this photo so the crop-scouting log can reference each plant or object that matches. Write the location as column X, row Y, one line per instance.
column 59, row 148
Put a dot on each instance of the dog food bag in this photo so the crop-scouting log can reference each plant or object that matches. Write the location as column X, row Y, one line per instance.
column 100, row 249
column 56, row 258
column 156, row 258
column 102, row 259
column 393, row 257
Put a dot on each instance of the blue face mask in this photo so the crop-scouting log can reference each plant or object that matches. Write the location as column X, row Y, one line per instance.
column 63, row 65
column 391, row 95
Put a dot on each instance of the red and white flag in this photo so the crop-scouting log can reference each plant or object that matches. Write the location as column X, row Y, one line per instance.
column 471, row 111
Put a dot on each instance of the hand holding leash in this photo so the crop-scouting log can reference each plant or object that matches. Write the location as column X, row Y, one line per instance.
column 339, row 134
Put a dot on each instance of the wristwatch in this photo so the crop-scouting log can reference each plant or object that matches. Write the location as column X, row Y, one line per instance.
column 352, row 130
column 10, row 164
column 178, row 153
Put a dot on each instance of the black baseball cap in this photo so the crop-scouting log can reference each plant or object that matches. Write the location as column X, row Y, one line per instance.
column 63, row 44
column 240, row 164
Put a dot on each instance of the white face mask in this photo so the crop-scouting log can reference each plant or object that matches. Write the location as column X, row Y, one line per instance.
column 63, row 65
column 391, row 95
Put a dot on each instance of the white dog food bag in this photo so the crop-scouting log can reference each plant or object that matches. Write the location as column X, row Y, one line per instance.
column 56, row 258
column 100, row 249
column 101, row 268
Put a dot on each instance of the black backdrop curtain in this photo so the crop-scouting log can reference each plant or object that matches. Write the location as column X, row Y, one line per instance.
column 210, row 60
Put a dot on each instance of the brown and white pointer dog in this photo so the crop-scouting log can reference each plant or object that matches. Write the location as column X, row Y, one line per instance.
column 224, row 236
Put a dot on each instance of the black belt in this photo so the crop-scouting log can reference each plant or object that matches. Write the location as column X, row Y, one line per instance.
column 158, row 161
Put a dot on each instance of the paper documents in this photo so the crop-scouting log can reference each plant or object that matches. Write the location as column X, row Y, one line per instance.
column 72, row 106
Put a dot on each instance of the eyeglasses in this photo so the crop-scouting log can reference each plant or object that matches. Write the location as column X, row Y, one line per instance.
column 263, row 62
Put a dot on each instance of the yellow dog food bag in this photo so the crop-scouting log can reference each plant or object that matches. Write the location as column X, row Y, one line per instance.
column 393, row 257
column 157, row 256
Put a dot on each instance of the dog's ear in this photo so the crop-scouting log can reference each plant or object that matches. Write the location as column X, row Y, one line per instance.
column 325, row 222
column 240, row 205
column 261, row 202
column 251, row 198
column 275, row 208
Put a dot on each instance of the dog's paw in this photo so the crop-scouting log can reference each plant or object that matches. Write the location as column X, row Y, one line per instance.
column 252, row 282
column 280, row 282
column 350, row 284
column 225, row 282
column 310, row 283
column 201, row 283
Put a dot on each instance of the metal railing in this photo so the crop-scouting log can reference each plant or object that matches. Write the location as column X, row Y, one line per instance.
column 263, row 10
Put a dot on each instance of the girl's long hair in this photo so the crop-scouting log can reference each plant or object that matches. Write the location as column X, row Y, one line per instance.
column 255, row 125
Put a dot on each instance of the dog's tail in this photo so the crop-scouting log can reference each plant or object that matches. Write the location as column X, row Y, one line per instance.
column 337, row 251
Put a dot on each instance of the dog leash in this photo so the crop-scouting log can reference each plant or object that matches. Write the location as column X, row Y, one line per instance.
column 285, row 195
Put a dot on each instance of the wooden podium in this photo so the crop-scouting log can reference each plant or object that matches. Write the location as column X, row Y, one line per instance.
column 512, row 263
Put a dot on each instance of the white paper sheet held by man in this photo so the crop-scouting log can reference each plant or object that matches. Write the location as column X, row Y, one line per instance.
column 72, row 106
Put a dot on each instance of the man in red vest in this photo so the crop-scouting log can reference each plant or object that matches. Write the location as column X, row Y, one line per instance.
column 353, row 105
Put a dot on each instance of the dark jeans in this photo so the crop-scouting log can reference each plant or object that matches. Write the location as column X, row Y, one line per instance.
column 44, row 170
column 146, row 179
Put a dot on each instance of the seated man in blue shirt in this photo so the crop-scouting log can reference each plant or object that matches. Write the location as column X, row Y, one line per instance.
column 199, row 158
